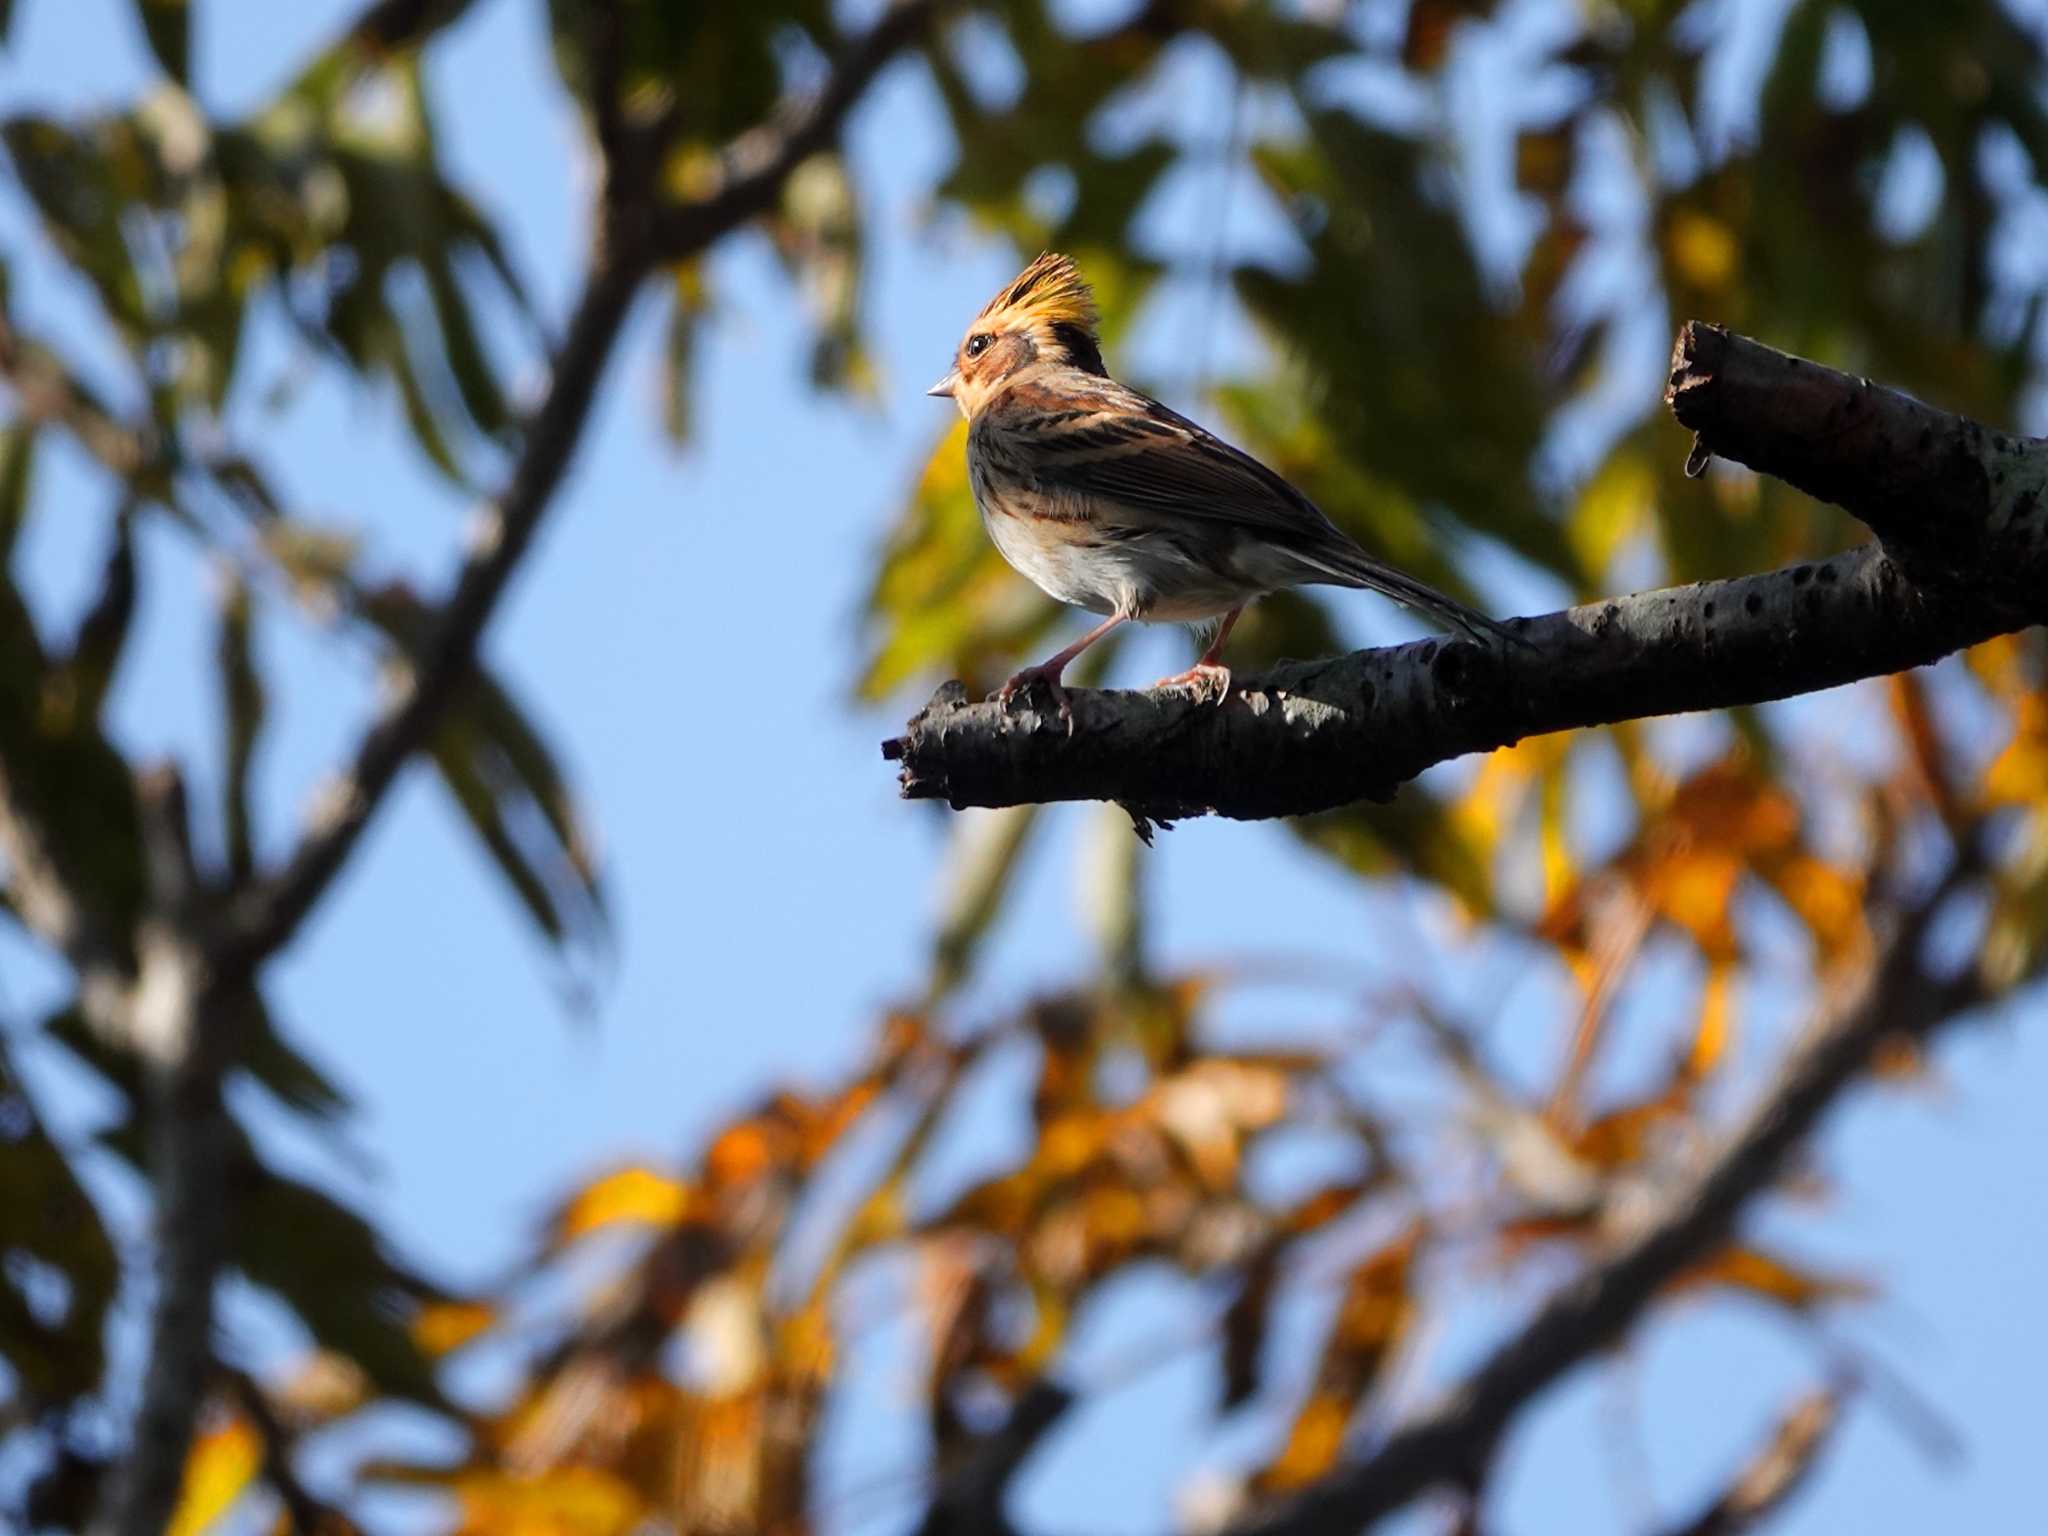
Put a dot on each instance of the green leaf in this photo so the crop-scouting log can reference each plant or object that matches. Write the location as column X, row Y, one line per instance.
column 475, row 380
column 103, row 632
column 509, row 789
column 17, row 474
column 331, row 1267
column 168, row 26
column 53, row 1345
column 689, row 302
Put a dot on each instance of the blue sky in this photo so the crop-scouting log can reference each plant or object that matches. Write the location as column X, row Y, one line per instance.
column 687, row 633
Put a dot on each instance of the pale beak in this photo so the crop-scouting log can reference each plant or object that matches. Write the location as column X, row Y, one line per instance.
column 947, row 385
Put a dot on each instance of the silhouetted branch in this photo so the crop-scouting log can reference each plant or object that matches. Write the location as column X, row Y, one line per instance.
column 178, row 1017
column 1962, row 514
column 269, row 915
column 758, row 165
column 969, row 1500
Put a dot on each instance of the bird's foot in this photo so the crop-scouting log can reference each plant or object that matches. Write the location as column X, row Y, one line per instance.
column 1046, row 677
column 1202, row 679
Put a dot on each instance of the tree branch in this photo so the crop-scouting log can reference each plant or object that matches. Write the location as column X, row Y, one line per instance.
column 759, row 164
column 179, row 1016
column 755, row 166
column 268, row 916
column 1895, row 998
column 1961, row 512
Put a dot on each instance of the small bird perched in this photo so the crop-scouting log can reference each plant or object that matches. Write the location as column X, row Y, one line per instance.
column 1112, row 502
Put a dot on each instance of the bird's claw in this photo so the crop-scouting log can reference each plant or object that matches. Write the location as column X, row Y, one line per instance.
column 1038, row 677
column 1203, row 678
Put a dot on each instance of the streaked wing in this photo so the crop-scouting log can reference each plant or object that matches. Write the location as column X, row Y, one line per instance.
column 1140, row 454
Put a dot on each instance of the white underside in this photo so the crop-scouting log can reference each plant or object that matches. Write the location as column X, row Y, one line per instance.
column 1142, row 579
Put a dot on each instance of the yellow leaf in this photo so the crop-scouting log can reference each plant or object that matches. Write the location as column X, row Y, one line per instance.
column 1701, row 249
column 442, row 1327
column 1614, row 505
column 219, row 1470
column 634, row 1195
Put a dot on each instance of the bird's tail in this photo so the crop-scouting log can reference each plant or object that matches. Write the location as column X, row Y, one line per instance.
column 1346, row 565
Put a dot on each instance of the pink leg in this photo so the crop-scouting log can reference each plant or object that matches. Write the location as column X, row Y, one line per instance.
column 1048, row 671
column 1209, row 672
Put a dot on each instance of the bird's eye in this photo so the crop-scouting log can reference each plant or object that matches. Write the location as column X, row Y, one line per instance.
column 976, row 345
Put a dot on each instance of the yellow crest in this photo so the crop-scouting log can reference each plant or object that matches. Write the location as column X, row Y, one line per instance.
column 1051, row 291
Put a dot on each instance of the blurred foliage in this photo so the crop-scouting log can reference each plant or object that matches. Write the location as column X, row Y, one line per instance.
column 1459, row 324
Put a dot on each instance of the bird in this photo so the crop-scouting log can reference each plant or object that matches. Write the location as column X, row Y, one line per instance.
column 1112, row 502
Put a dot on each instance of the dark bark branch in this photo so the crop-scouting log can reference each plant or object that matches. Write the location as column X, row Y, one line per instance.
column 969, row 1500
column 179, row 1017
column 758, row 163
column 1961, row 512
column 1451, row 1446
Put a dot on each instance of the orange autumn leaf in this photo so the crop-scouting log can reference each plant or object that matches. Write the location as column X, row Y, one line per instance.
column 1621, row 1137
column 1693, row 888
column 565, row 1501
column 1313, row 1443
column 1324, row 1207
column 2019, row 774
column 1827, row 900
column 1716, row 1026
column 1731, row 805
column 1377, row 1307
column 1742, row 1268
column 821, row 1127
column 744, row 1152
column 1524, row 1232
column 1372, row 1320
column 2000, row 664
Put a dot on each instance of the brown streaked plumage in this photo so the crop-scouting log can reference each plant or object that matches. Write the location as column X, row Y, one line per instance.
column 1114, row 503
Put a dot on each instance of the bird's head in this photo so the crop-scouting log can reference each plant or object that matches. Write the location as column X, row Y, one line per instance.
column 1044, row 317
